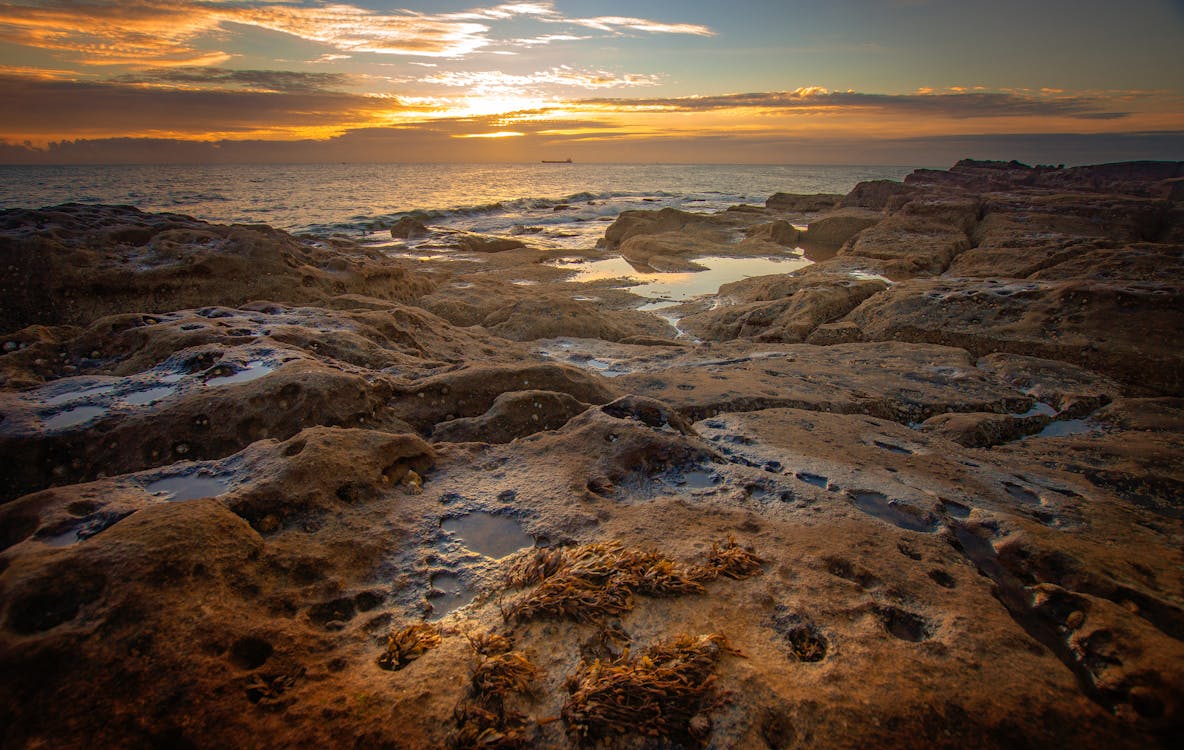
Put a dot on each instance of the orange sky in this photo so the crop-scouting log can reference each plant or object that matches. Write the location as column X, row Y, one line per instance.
column 866, row 81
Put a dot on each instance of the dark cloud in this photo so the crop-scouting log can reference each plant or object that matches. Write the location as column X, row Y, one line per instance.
column 957, row 105
column 276, row 81
column 51, row 107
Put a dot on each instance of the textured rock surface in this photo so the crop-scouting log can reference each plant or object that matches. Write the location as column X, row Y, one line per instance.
column 220, row 514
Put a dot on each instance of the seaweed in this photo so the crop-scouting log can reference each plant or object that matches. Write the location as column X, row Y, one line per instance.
column 408, row 644
column 665, row 694
column 594, row 581
column 483, row 720
column 730, row 560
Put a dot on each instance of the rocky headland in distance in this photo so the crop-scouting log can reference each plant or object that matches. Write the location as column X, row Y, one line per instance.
column 265, row 490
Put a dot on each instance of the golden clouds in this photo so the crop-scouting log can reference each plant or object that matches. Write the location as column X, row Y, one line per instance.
column 172, row 33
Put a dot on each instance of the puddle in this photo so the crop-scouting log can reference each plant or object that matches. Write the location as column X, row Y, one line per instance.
column 1039, row 409
column 682, row 286
column 139, row 398
column 253, row 370
column 74, row 417
column 1066, row 427
column 524, row 282
column 78, row 394
column 815, row 479
column 448, row 593
column 64, row 539
column 695, row 479
column 187, row 487
column 902, row 515
column 488, row 534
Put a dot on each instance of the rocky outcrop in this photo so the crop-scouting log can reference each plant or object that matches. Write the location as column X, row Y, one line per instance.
column 924, row 491
column 802, row 203
column 75, row 263
column 1096, row 325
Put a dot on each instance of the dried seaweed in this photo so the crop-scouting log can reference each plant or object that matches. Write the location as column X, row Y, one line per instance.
column 593, row 581
column 498, row 675
column 479, row 727
column 408, row 644
column 483, row 720
column 488, row 644
column 664, row 694
column 730, row 560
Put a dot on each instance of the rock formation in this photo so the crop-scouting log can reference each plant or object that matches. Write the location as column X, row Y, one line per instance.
column 265, row 490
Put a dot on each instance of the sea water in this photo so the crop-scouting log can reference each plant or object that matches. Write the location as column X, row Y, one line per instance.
column 558, row 205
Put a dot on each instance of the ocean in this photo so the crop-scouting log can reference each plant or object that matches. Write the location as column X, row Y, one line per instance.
column 559, row 205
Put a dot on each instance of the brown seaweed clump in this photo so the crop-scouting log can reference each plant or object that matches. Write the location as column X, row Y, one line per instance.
column 665, row 694
column 408, row 644
column 730, row 560
column 594, row 581
column 483, row 718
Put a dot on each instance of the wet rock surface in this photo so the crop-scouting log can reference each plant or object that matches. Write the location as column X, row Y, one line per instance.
column 925, row 491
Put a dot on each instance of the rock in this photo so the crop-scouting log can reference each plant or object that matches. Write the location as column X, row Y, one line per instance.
column 548, row 317
column 906, row 383
column 233, row 508
column 982, row 430
column 911, row 246
column 478, row 243
column 1094, row 325
column 877, row 195
column 836, row 229
column 513, row 415
column 779, row 231
column 408, row 227
column 783, row 308
column 472, row 392
column 65, row 268
column 798, row 202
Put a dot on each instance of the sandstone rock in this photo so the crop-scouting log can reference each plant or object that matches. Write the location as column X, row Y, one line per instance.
column 910, row 245
column 779, row 231
column 798, row 202
column 876, row 195
column 473, row 391
column 478, row 243
column 513, row 415
column 783, row 308
column 907, row 382
column 910, row 588
column 547, row 317
column 64, row 268
column 1094, row 325
column 836, row 229
column 408, row 227
column 982, row 430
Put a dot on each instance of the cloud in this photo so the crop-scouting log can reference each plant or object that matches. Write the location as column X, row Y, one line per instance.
column 967, row 104
column 616, row 23
column 285, row 81
column 171, row 32
column 492, row 80
column 44, row 109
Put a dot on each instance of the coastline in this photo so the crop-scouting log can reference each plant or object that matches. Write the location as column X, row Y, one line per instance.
column 927, row 486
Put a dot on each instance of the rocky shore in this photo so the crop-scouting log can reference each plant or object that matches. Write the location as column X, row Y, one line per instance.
column 265, row 490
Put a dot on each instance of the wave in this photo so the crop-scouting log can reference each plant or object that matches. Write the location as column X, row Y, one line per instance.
column 514, row 211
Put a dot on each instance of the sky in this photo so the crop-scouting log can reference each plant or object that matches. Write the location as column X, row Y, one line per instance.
column 908, row 82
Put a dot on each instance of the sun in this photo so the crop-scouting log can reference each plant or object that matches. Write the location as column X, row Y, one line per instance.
column 484, row 105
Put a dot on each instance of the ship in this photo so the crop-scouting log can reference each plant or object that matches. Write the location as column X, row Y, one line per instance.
column 557, row 161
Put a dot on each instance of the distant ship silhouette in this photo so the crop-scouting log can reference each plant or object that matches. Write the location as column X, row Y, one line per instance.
column 557, row 161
